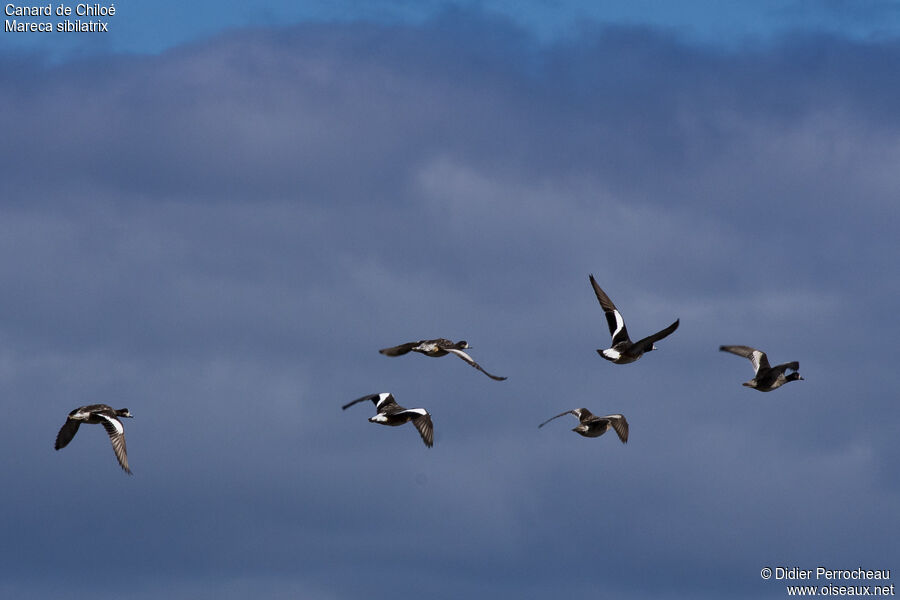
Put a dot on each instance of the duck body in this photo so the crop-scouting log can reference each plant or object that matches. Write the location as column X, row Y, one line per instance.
column 393, row 415
column 768, row 384
column 623, row 350
column 766, row 378
column 436, row 348
column 591, row 425
column 98, row 414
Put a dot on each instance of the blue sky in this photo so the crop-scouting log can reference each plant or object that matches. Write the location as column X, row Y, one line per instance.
column 216, row 219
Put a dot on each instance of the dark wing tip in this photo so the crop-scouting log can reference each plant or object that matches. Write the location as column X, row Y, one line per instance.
column 66, row 433
column 568, row 412
column 744, row 351
column 620, row 425
column 602, row 298
column 670, row 329
column 358, row 400
column 470, row 361
column 426, row 429
column 398, row 350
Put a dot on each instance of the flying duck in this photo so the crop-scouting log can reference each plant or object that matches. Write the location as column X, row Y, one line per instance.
column 438, row 347
column 104, row 415
column 623, row 350
column 593, row 426
column 391, row 413
column 766, row 378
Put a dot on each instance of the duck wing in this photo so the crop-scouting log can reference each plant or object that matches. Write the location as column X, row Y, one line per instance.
column 423, row 423
column 562, row 414
column 794, row 366
column 613, row 317
column 399, row 350
column 469, row 360
column 372, row 397
column 651, row 339
column 66, row 433
column 620, row 425
column 384, row 401
column 757, row 357
column 116, row 432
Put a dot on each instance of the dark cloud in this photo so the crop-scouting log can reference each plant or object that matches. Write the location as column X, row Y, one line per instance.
column 220, row 237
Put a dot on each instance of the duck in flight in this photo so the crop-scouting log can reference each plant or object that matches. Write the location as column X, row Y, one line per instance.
column 766, row 378
column 593, row 426
column 623, row 350
column 392, row 414
column 438, row 347
column 92, row 415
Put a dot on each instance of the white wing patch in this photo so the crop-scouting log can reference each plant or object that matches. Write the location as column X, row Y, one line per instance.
column 612, row 354
column 117, row 425
column 381, row 398
column 462, row 355
column 756, row 358
column 619, row 323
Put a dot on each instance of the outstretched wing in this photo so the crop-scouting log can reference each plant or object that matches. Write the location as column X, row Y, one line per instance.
column 757, row 357
column 372, row 397
column 66, row 433
column 562, row 414
column 613, row 317
column 382, row 401
column 469, row 360
column 399, row 350
column 116, row 433
column 651, row 339
column 793, row 366
column 620, row 425
column 424, row 425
